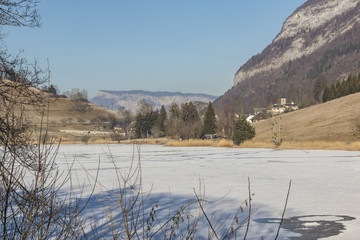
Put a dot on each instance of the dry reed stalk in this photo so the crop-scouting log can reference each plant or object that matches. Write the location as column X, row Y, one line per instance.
column 322, row 145
column 283, row 214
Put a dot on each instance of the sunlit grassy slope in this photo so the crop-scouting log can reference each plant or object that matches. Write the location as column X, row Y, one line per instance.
column 63, row 108
column 333, row 121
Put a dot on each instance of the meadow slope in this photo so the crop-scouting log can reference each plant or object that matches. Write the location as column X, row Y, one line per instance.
column 334, row 121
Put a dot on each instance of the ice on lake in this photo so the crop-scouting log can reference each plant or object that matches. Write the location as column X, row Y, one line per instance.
column 325, row 184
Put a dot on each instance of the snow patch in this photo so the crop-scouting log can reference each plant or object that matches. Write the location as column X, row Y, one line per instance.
column 314, row 16
column 306, row 20
column 321, row 218
column 311, row 224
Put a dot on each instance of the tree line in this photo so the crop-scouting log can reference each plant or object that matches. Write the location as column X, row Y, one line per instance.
column 185, row 122
column 182, row 121
column 336, row 90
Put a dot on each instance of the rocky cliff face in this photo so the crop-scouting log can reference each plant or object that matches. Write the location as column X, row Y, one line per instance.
column 293, row 41
column 130, row 99
column 320, row 37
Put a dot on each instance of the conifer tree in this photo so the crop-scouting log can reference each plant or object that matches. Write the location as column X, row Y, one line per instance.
column 144, row 124
column 332, row 92
column 209, row 120
column 189, row 113
column 243, row 131
column 174, row 111
column 325, row 97
column 161, row 119
column 357, row 83
column 337, row 92
column 352, row 85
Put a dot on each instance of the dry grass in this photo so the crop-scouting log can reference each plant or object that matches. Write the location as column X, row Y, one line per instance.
column 310, row 145
column 335, row 145
column 62, row 108
column 199, row 143
column 256, row 144
column 150, row 141
column 332, row 121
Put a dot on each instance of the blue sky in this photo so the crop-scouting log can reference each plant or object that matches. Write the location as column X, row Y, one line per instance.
column 191, row 46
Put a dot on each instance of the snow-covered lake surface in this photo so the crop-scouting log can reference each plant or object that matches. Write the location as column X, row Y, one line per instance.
column 323, row 202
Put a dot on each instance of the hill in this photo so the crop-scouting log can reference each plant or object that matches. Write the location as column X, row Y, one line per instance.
column 320, row 38
column 61, row 109
column 334, row 121
column 130, row 99
column 66, row 123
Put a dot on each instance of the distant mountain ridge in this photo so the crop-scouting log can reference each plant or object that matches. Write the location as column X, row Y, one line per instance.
column 321, row 37
column 157, row 93
column 130, row 99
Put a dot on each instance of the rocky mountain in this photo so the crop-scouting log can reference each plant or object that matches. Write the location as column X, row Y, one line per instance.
column 322, row 37
column 130, row 99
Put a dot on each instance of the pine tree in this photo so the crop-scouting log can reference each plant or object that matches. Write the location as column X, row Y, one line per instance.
column 209, row 120
column 352, row 85
column 189, row 113
column 332, row 92
column 337, row 92
column 357, row 84
column 144, row 124
column 174, row 111
column 161, row 119
column 190, row 123
column 243, row 131
column 325, row 97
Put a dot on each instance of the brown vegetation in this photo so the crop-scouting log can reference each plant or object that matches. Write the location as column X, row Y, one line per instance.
column 331, row 125
column 199, row 143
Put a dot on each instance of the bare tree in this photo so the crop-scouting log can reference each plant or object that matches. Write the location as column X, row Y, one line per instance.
column 80, row 100
column 227, row 121
column 30, row 204
column 144, row 107
column 19, row 13
column 319, row 86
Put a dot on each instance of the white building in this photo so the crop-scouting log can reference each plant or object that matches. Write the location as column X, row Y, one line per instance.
column 283, row 107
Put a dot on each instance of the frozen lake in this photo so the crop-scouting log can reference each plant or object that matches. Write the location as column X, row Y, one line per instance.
column 323, row 200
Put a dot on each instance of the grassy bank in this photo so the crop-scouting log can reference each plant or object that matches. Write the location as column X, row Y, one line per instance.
column 311, row 145
column 315, row 145
column 323, row 145
column 199, row 143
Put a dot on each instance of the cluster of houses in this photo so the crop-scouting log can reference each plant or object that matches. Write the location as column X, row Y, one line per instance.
column 276, row 109
column 283, row 107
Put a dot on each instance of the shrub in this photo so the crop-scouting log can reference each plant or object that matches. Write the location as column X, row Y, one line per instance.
column 243, row 131
column 85, row 139
column 116, row 137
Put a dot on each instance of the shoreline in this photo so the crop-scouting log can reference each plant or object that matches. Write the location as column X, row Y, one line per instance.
column 286, row 145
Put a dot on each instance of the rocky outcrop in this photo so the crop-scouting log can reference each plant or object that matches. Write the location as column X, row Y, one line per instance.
column 130, row 99
column 293, row 41
column 322, row 37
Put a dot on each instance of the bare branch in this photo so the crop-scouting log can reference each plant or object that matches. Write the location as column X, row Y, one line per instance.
column 283, row 214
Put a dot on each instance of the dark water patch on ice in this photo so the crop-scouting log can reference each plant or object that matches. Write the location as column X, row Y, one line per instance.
column 311, row 227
